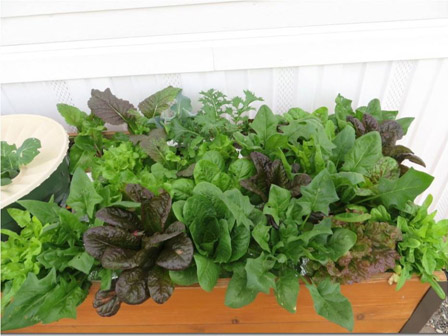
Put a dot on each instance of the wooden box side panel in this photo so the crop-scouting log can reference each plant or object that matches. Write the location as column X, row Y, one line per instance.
column 377, row 306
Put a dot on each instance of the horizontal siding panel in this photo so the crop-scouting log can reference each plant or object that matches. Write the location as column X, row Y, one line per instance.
column 283, row 47
column 214, row 17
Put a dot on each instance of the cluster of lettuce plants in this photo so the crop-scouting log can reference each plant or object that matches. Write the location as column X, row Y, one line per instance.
column 186, row 197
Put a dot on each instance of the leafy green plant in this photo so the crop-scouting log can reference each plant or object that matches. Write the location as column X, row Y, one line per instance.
column 12, row 158
column 312, row 199
column 219, row 224
column 45, row 269
column 142, row 248
column 424, row 248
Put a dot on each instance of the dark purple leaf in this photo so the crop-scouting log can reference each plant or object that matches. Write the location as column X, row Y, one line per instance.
column 121, row 218
column 277, row 174
column 390, row 132
column 299, row 181
column 173, row 230
column 374, row 252
column 271, row 221
column 411, row 157
column 131, row 286
column 358, row 125
column 272, row 172
column 261, row 162
column 177, row 253
column 159, row 284
column 396, row 150
column 137, row 193
column 108, row 107
column 155, row 213
column 370, row 123
column 146, row 257
column 295, row 167
column 316, row 217
column 117, row 258
column 97, row 239
column 106, row 303
column 257, row 185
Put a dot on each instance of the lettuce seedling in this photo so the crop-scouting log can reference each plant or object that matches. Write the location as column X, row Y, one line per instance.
column 143, row 248
column 12, row 158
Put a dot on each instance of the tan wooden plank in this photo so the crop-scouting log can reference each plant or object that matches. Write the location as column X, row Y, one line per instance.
column 378, row 307
column 386, row 326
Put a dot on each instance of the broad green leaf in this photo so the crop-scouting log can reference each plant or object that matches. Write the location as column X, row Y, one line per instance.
column 208, row 272
column 396, row 193
column 405, row 123
column 205, row 171
column 323, row 228
column 186, row 277
column 343, row 107
column 48, row 299
column 261, row 235
column 364, row 154
column 28, row 151
column 242, row 169
column 320, row 193
column 216, row 158
column 265, row 123
column 259, row 277
column 344, row 142
column 429, row 261
column 347, row 179
column 278, row 202
column 223, row 181
column 331, row 304
column 160, row 101
column 181, row 189
column 240, row 239
column 82, row 262
column 238, row 294
column 275, row 142
column 352, row 217
column 223, row 250
column 308, row 129
column 83, row 196
column 238, row 204
column 72, row 115
column 287, row 290
column 340, row 242
column 106, row 278
column 46, row 212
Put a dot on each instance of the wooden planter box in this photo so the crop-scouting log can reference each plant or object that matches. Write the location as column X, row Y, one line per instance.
column 377, row 306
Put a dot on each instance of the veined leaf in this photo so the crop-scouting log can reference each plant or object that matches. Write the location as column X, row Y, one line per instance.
column 160, row 101
column 320, row 193
column 108, row 107
column 331, row 304
column 364, row 154
column 398, row 192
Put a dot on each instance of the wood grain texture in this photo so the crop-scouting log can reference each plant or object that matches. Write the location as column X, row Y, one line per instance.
column 377, row 306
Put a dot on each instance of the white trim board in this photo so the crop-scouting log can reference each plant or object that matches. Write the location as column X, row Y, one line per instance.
column 212, row 18
column 17, row 8
column 248, row 49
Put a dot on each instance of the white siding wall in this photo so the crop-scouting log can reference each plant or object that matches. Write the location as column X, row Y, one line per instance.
column 292, row 53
